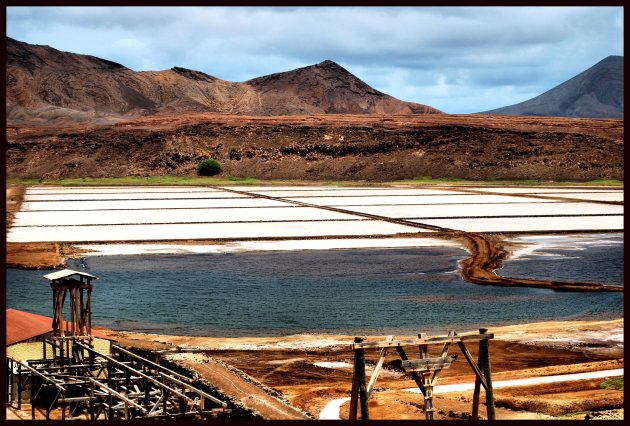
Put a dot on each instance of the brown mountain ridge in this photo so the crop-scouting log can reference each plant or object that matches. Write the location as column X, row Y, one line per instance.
column 45, row 85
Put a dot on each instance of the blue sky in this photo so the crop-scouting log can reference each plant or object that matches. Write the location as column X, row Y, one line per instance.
column 457, row 59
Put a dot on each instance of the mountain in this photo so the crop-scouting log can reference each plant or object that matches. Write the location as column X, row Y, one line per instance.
column 329, row 89
column 595, row 93
column 46, row 85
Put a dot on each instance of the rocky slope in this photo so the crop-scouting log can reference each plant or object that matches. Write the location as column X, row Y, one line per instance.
column 327, row 88
column 46, row 86
column 594, row 93
column 319, row 147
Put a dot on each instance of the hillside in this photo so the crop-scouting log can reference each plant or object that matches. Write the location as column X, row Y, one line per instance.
column 319, row 147
column 45, row 85
column 327, row 88
column 594, row 93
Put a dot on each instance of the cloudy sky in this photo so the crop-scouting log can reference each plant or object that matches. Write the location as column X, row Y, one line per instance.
column 457, row 59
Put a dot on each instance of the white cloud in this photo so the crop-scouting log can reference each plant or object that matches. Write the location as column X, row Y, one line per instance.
column 481, row 52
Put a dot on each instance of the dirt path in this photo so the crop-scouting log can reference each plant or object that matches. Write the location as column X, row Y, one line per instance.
column 487, row 255
column 237, row 386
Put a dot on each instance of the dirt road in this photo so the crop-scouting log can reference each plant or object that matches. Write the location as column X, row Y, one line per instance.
column 240, row 388
column 487, row 255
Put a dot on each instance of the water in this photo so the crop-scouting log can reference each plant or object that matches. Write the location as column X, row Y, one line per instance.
column 375, row 291
column 586, row 257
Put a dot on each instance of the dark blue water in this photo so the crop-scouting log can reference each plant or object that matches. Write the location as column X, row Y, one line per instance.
column 594, row 257
column 392, row 291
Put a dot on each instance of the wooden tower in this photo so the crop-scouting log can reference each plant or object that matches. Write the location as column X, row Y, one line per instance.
column 77, row 288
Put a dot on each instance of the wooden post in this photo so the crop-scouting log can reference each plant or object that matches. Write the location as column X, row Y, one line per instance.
column 354, row 393
column 428, row 398
column 63, row 406
column 484, row 349
column 91, row 402
column 32, row 396
column 110, row 409
column 19, row 395
column 426, row 381
column 147, row 394
column 363, row 397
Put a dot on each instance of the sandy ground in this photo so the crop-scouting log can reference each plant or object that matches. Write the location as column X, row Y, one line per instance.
column 312, row 370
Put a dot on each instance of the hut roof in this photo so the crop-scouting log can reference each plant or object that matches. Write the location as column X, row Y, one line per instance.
column 22, row 326
column 64, row 273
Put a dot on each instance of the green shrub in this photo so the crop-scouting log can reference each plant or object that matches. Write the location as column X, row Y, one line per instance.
column 616, row 383
column 209, row 167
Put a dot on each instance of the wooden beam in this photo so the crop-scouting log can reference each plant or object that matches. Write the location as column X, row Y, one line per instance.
column 416, row 378
column 427, row 364
column 377, row 368
column 417, row 342
column 139, row 373
column 474, row 366
column 151, row 363
column 193, row 389
column 117, row 395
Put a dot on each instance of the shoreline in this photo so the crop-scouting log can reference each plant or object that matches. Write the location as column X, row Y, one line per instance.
column 593, row 335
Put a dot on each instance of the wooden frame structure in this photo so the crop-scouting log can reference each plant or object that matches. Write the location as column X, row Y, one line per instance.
column 122, row 385
column 77, row 287
column 424, row 371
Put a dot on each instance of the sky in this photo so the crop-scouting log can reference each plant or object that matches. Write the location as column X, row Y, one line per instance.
column 457, row 59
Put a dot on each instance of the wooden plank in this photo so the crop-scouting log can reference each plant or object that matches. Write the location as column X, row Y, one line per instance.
column 427, row 364
column 417, row 342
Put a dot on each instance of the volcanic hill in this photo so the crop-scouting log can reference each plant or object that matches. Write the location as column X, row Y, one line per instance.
column 45, row 85
column 594, row 93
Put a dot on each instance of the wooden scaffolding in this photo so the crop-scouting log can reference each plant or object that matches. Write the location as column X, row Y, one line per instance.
column 424, row 371
column 77, row 288
column 88, row 384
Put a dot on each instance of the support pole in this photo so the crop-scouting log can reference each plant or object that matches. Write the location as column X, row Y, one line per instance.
column 19, row 395
column 428, row 397
column 32, row 398
column 484, row 349
column 354, row 393
column 363, row 397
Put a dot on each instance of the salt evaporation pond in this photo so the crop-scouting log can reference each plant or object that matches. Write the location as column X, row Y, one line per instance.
column 360, row 291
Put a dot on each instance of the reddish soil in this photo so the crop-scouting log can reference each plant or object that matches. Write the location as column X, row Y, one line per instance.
column 321, row 147
column 286, row 365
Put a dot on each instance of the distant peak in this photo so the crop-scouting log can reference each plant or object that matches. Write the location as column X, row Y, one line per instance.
column 194, row 75
column 330, row 64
